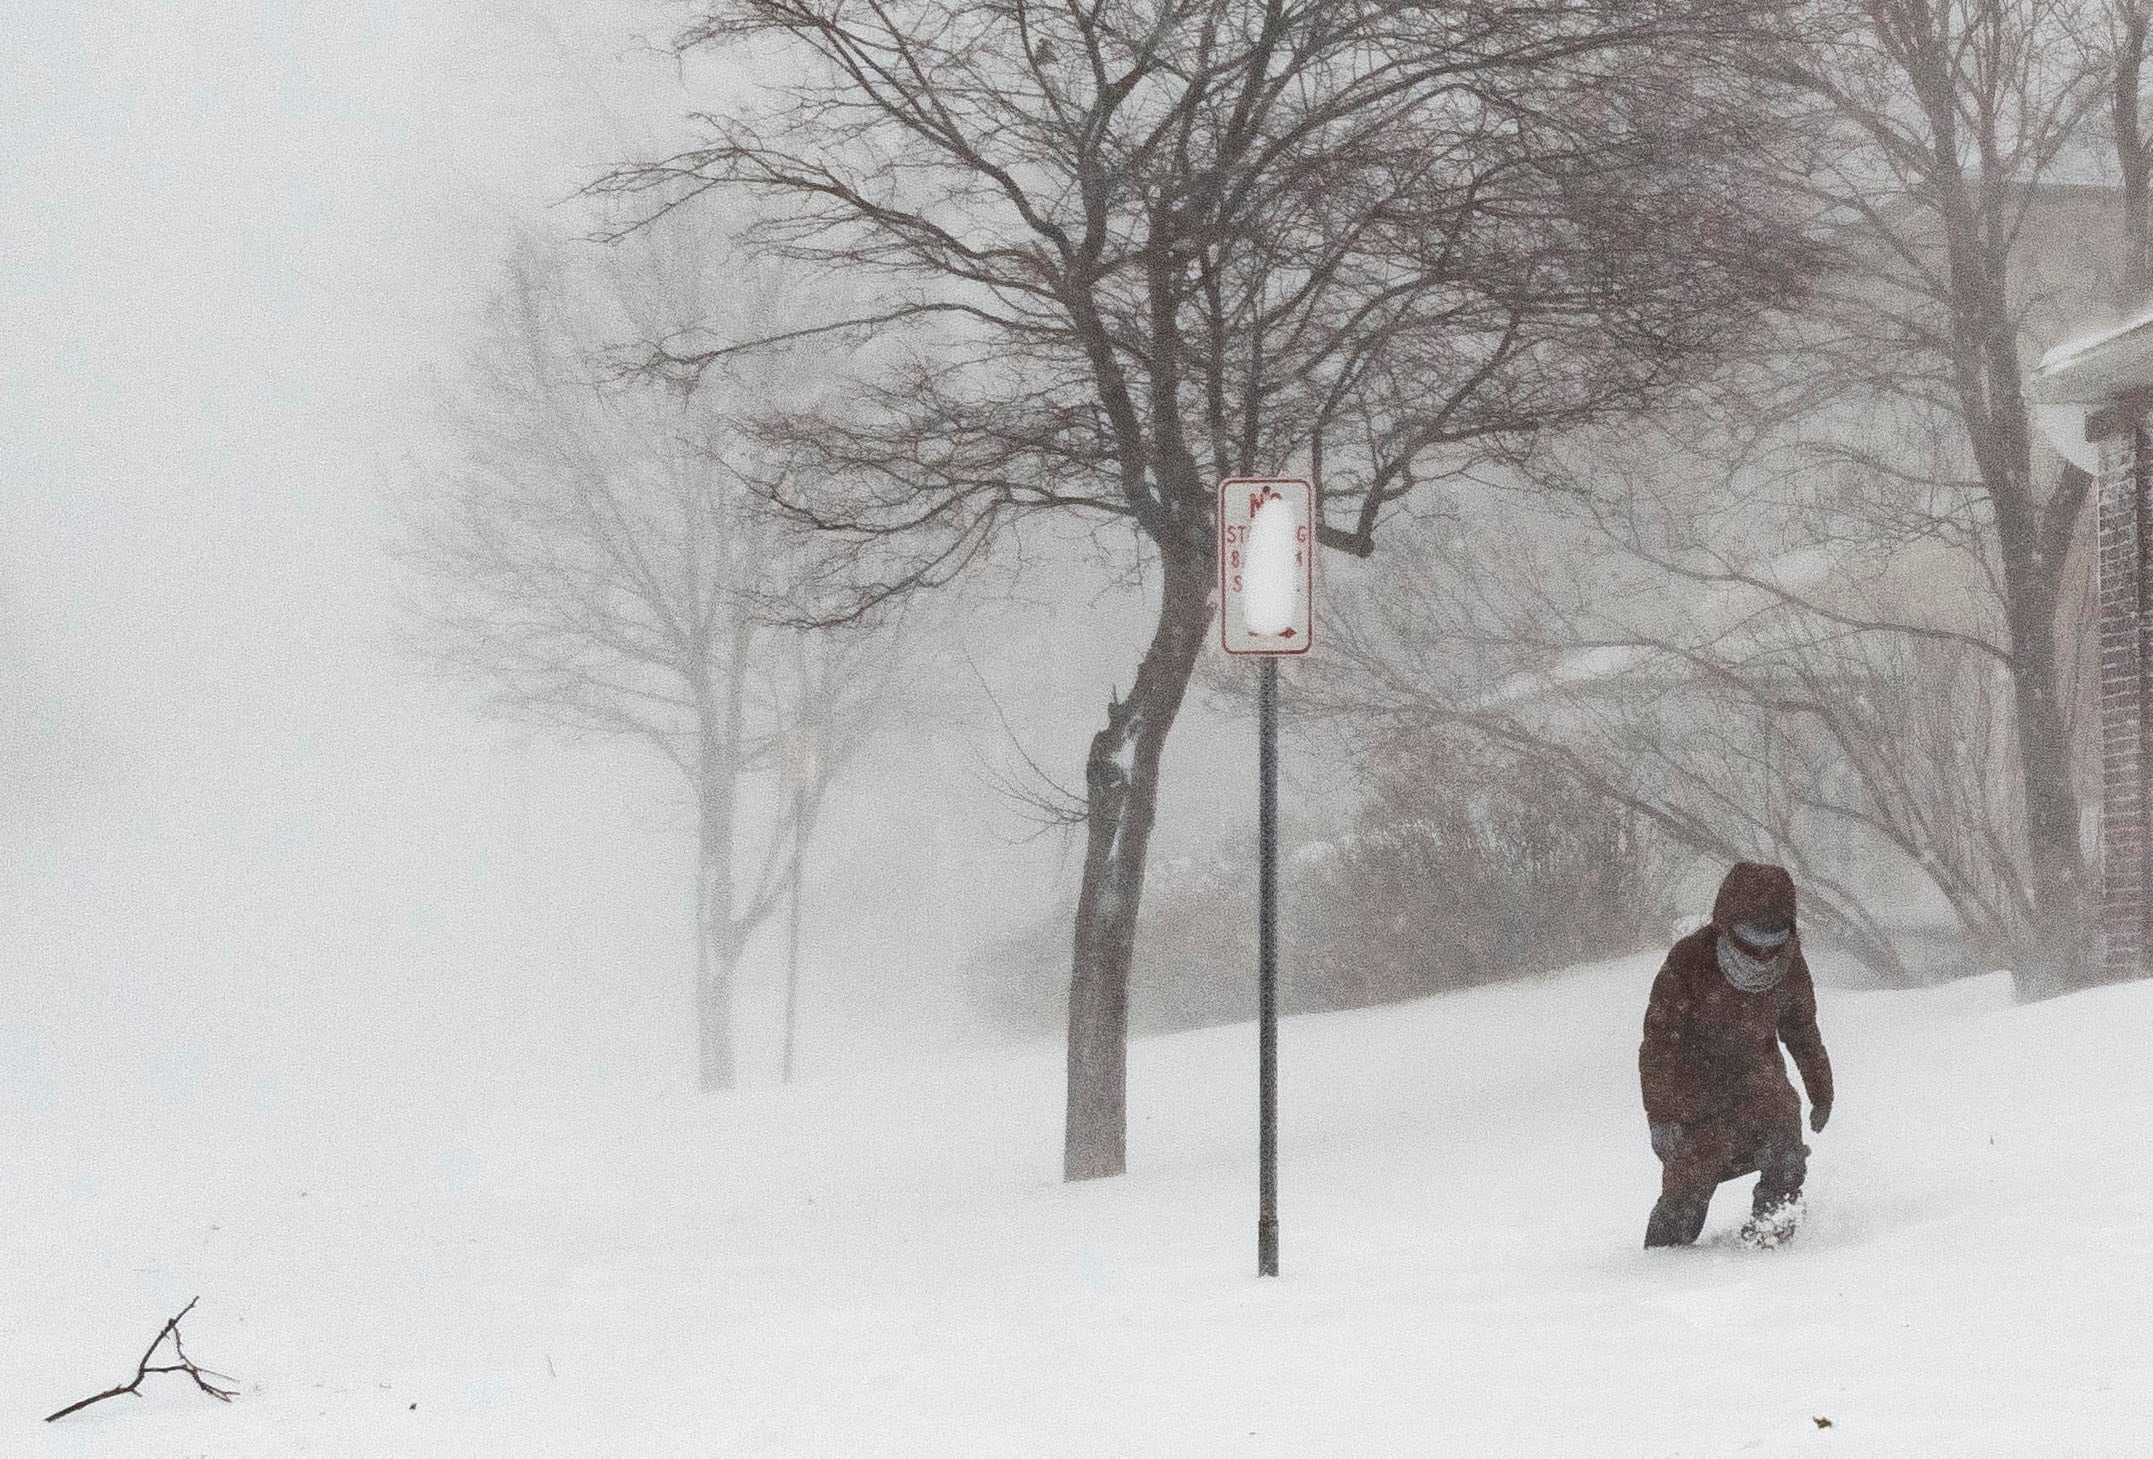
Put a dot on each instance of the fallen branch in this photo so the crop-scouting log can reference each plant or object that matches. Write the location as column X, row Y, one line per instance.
column 143, row 1369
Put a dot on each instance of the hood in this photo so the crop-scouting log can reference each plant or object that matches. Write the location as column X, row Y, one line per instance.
column 1752, row 889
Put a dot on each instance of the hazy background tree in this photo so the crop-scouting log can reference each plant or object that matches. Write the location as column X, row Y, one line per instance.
column 1836, row 608
column 593, row 560
column 2128, row 23
column 1127, row 251
column 1953, row 118
column 1631, row 658
column 1451, row 864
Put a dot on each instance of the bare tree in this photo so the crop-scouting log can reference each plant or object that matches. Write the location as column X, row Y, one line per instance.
column 1758, row 652
column 1847, row 554
column 1954, row 120
column 592, row 561
column 1131, row 249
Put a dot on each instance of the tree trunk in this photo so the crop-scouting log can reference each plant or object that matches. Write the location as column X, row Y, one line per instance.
column 2060, row 956
column 2033, row 539
column 718, row 939
column 792, row 925
column 1121, row 777
column 715, row 953
column 2134, row 159
column 721, row 708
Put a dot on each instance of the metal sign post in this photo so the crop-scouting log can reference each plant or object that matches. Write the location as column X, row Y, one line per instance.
column 1267, row 553
column 1267, row 971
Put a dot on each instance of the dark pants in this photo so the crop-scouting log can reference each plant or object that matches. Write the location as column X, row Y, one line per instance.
column 1762, row 1135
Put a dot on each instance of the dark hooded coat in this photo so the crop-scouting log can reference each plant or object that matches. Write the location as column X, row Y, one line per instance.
column 1710, row 1057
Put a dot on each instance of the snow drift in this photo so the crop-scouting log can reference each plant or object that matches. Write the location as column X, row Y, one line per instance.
column 428, row 1268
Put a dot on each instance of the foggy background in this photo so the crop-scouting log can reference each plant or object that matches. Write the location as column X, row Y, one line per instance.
column 247, row 845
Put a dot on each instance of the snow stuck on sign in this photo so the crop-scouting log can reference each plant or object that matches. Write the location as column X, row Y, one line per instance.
column 1266, row 564
column 1273, row 573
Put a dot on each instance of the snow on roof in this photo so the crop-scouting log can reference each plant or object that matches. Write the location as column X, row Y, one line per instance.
column 2097, row 365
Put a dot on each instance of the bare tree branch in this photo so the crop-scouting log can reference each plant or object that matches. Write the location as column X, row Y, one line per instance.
column 168, row 1333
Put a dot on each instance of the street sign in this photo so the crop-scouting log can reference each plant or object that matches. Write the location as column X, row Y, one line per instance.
column 1267, row 565
column 1267, row 600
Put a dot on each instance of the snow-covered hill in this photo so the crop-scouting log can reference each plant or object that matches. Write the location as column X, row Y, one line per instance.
column 894, row 1268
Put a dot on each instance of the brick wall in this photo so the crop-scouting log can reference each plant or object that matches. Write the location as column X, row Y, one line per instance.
column 2126, row 638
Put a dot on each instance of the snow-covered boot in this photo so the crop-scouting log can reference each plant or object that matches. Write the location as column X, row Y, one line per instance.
column 1773, row 1225
column 1775, row 1206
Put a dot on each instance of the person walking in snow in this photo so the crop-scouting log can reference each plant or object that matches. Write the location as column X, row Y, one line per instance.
column 1717, row 1101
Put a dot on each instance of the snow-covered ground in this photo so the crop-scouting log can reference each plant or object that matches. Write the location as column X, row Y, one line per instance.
column 428, row 1264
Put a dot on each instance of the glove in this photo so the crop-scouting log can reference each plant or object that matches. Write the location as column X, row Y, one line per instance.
column 1666, row 1138
column 1818, row 1114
